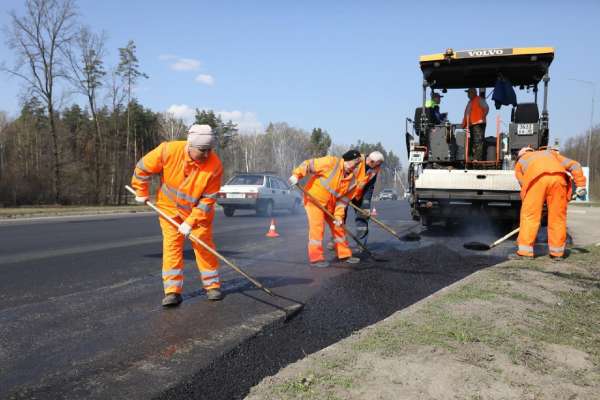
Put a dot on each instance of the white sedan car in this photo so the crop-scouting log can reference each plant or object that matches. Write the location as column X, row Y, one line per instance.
column 261, row 192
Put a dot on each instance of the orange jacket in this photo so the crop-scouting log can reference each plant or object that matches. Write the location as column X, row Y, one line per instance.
column 328, row 184
column 188, row 188
column 474, row 112
column 363, row 177
column 535, row 163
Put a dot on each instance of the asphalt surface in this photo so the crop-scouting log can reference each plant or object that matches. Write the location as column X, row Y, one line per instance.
column 80, row 313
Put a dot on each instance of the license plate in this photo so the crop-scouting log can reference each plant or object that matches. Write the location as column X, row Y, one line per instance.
column 236, row 195
column 525, row 129
column 416, row 157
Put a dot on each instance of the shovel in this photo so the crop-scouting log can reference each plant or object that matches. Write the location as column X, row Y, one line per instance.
column 483, row 246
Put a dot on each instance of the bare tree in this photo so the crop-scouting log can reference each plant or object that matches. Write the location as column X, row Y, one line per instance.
column 40, row 39
column 3, row 124
column 172, row 128
column 86, row 60
column 129, row 70
column 116, row 97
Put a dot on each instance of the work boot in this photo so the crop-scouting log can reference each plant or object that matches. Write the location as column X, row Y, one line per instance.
column 214, row 294
column 172, row 300
column 320, row 264
column 350, row 260
column 330, row 245
column 557, row 258
column 517, row 257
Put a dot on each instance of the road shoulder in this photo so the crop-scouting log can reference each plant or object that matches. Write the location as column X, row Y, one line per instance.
column 518, row 330
column 583, row 223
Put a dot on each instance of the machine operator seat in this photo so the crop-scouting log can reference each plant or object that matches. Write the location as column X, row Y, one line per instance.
column 525, row 113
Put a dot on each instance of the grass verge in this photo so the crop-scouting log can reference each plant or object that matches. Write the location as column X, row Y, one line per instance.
column 521, row 329
column 51, row 211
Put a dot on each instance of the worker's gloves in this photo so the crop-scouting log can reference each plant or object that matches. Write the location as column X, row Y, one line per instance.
column 293, row 180
column 581, row 192
column 141, row 199
column 366, row 212
column 185, row 229
column 338, row 222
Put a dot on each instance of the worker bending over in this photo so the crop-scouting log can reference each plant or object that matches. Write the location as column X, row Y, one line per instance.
column 191, row 178
column 545, row 176
column 332, row 183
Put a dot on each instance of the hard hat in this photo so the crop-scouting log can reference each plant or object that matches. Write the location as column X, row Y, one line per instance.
column 524, row 150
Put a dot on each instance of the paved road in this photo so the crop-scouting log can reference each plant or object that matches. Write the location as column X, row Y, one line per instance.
column 80, row 313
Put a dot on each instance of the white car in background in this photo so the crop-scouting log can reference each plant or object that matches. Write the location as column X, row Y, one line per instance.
column 262, row 192
column 388, row 194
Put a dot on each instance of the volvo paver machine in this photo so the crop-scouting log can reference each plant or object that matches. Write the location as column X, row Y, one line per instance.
column 446, row 183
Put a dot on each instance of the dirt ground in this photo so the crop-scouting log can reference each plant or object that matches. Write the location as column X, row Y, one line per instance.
column 518, row 330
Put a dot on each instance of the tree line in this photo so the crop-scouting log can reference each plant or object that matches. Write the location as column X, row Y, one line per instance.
column 579, row 148
column 84, row 153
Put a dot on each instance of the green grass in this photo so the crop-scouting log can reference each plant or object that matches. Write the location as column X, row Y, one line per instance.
column 469, row 292
column 43, row 211
column 571, row 321
column 314, row 386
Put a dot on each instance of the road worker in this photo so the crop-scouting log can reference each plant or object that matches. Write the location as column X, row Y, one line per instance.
column 475, row 120
column 545, row 177
column 332, row 183
column 190, row 174
column 366, row 176
column 434, row 105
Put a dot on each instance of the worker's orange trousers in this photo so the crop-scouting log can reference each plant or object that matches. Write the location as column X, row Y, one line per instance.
column 551, row 189
column 172, row 267
column 316, row 229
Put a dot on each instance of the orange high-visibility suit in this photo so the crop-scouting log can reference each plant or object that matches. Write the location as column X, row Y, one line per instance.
column 544, row 177
column 187, row 194
column 332, row 190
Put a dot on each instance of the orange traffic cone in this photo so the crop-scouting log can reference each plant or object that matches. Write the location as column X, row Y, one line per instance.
column 272, row 232
column 374, row 212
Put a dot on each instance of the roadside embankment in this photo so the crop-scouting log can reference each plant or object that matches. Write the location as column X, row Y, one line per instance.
column 55, row 211
column 518, row 330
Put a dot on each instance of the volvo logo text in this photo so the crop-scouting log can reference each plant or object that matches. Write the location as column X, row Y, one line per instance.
column 488, row 52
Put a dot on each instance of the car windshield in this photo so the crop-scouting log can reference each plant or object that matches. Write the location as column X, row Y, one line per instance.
column 246, row 180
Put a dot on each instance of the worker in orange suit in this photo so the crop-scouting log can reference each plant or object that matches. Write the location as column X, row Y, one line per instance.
column 332, row 183
column 545, row 177
column 190, row 174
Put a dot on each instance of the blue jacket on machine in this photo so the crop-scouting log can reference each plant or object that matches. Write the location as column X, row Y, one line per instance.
column 504, row 94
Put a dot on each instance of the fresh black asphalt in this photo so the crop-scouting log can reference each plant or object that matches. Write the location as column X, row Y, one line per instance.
column 80, row 313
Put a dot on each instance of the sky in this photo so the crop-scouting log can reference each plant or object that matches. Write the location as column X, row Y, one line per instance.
column 349, row 67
